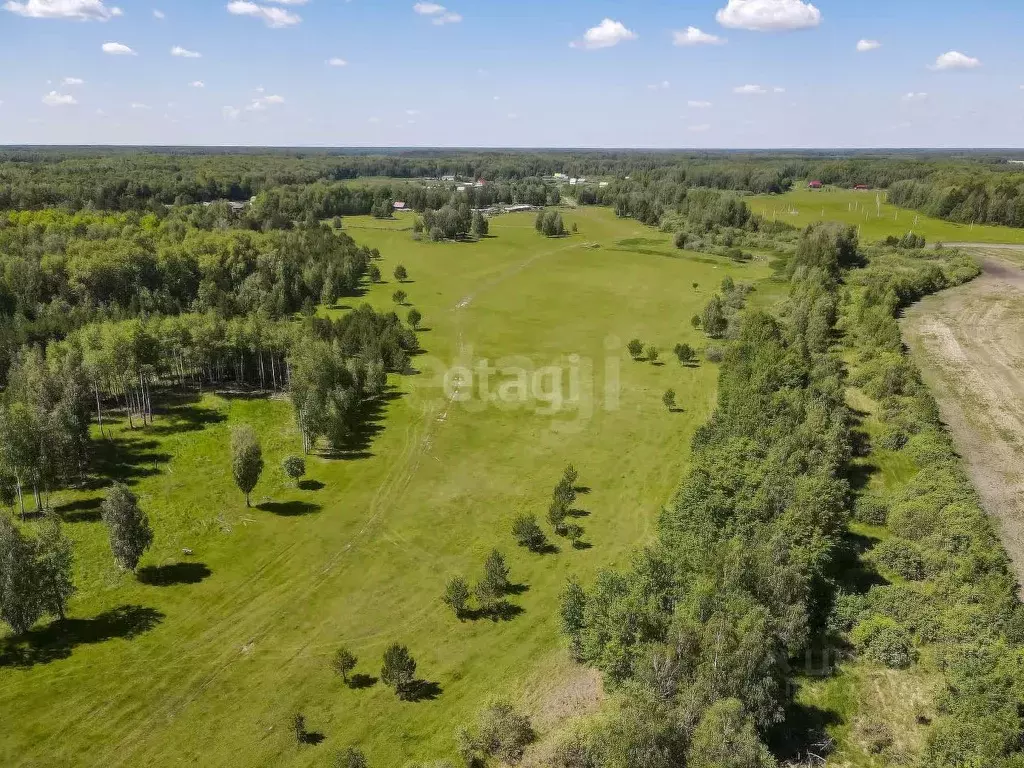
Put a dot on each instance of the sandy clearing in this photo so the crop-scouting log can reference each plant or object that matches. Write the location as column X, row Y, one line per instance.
column 969, row 344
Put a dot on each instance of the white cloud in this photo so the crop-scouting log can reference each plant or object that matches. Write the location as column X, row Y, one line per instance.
column 863, row 46
column 54, row 99
column 750, row 90
column 185, row 53
column 698, row 104
column 412, row 112
column 230, row 113
column 955, row 60
column 768, row 15
column 373, row 120
column 912, row 96
column 694, row 36
column 664, row 85
column 197, row 84
column 336, row 62
column 604, row 35
column 275, row 18
column 438, row 14
column 778, row 89
column 260, row 104
column 79, row 10
column 700, row 128
column 118, row 49
column 139, row 105
column 72, row 81
column 158, row 14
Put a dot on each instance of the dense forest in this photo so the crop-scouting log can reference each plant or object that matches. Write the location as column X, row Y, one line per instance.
column 978, row 187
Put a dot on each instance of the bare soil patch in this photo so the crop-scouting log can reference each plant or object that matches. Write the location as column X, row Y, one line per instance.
column 969, row 344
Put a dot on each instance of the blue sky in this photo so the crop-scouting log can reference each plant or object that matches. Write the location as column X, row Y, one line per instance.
column 756, row 73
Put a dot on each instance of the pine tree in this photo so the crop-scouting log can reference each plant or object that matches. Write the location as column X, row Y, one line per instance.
column 456, row 595
column 496, row 572
column 398, row 670
column 344, row 661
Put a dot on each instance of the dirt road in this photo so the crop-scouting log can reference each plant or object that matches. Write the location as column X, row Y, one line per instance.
column 969, row 344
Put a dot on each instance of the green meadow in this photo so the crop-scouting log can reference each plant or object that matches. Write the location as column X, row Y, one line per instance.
column 875, row 218
column 205, row 657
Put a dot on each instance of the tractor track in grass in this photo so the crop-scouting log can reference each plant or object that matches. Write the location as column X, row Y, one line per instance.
column 969, row 343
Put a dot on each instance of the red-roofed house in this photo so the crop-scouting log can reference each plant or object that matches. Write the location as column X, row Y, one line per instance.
column 815, row 185
column 399, row 205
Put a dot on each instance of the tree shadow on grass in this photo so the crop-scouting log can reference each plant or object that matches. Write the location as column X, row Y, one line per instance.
column 803, row 736
column 547, row 548
column 368, row 424
column 577, row 513
column 289, row 508
column 859, row 474
column 310, row 485
column 851, row 571
column 423, row 690
column 175, row 573
column 124, row 460
column 311, row 737
column 359, row 681
column 517, row 589
column 580, row 544
column 583, row 490
column 56, row 641
column 502, row 610
column 182, row 413
column 80, row 510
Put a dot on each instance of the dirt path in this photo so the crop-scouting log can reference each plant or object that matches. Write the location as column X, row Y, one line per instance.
column 969, row 343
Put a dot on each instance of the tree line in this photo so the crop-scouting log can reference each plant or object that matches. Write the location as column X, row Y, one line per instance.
column 696, row 635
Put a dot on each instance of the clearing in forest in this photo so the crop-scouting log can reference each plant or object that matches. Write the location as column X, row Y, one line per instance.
column 205, row 659
column 875, row 218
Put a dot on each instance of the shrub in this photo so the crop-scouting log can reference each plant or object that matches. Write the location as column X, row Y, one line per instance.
column 900, row 556
column 500, row 733
column 893, row 438
column 528, row 533
column 714, row 353
column 870, row 509
column 846, row 611
column 883, row 640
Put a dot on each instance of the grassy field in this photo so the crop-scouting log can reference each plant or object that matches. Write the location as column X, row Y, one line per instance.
column 204, row 659
column 804, row 206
